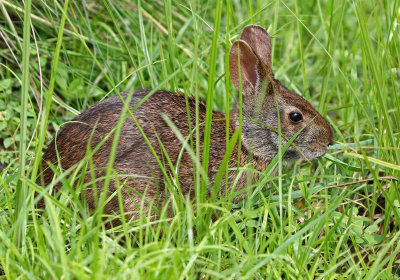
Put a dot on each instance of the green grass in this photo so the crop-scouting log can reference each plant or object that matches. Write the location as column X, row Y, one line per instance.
column 336, row 218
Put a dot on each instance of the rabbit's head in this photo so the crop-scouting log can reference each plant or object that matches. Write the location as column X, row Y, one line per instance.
column 262, row 96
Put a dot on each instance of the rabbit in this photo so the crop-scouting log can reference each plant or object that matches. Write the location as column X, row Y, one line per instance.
column 140, row 173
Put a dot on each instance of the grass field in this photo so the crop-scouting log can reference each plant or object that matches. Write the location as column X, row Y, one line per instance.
column 337, row 217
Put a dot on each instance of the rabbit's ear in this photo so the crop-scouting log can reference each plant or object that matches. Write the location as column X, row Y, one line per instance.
column 252, row 70
column 260, row 42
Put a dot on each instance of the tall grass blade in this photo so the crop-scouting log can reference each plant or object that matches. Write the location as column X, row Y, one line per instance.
column 21, row 192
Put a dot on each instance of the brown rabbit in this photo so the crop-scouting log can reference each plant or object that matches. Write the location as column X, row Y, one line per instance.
column 134, row 157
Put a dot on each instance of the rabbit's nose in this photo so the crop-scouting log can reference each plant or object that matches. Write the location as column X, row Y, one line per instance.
column 331, row 136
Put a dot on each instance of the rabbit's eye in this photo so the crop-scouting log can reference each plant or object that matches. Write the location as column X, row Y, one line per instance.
column 295, row 117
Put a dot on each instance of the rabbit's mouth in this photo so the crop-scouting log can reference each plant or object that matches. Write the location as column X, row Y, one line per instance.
column 306, row 152
column 315, row 154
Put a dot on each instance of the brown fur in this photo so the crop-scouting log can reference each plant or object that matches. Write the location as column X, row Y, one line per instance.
column 133, row 156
